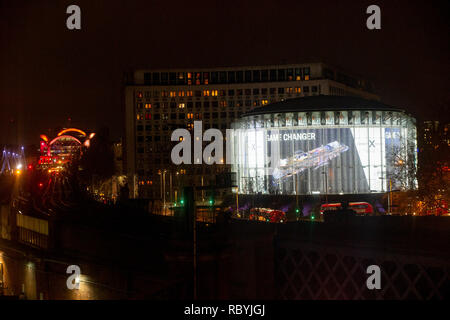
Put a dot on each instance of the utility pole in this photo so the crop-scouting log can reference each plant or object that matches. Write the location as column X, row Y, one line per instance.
column 195, row 250
column 326, row 186
column 164, row 192
column 390, row 197
column 170, row 188
column 237, row 202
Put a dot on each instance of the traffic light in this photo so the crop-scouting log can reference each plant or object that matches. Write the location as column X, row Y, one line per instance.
column 297, row 210
column 182, row 201
column 211, row 202
column 312, row 217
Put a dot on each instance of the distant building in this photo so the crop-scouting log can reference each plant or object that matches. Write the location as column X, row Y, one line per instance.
column 435, row 132
column 118, row 159
column 160, row 101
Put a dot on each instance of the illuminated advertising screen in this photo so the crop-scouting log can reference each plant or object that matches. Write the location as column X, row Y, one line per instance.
column 311, row 160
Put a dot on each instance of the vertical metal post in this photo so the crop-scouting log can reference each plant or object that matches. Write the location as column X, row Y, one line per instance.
column 237, row 201
column 194, row 229
column 390, row 197
column 164, row 192
column 170, row 188
column 161, row 184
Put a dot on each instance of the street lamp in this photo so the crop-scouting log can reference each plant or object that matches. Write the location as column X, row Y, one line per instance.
column 389, row 192
column 164, row 191
column 326, row 186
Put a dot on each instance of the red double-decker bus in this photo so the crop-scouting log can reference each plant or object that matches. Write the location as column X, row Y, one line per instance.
column 361, row 208
column 267, row 215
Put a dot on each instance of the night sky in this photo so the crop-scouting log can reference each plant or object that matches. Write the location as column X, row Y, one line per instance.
column 50, row 73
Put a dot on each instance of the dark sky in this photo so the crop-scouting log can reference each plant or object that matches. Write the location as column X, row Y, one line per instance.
column 49, row 73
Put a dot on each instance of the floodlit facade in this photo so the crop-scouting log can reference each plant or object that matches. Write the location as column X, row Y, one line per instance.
column 324, row 145
column 159, row 101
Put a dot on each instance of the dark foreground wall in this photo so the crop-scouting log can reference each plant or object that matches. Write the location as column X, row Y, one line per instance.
column 329, row 261
column 246, row 260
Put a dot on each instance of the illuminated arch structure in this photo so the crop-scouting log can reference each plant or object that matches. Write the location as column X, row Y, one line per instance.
column 66, row 146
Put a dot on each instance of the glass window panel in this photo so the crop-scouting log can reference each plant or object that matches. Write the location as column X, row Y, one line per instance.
column 315, row 118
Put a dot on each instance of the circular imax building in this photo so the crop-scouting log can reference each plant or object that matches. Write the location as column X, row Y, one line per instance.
column 324, row 145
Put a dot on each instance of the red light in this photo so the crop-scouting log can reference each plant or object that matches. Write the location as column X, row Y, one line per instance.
column 30, row 167
column 41, row 185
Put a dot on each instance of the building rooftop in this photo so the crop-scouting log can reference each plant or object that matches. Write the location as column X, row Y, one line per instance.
column 322, row 103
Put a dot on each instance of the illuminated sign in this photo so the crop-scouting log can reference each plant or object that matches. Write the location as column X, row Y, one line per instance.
column 291, row 136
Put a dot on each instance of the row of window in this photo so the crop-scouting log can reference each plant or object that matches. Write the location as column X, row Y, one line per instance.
column 33, row 238
column 197, row 170
column 202, row 104
column 339, row 92
column 189, row 116
column 326, row 118
column 223, row 93
column 171, row 127
column 226, row 77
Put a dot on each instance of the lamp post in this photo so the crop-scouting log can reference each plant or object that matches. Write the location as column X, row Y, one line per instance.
column 237, row 202
column 164, row 192
column 389, row 193
column 170, row 188
column 326, row 186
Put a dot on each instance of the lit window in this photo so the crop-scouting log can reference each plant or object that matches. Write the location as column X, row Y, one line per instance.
column 173, row 94
column 264, row 102
column 307, row 77
column 290, row 74
column 181, row 93
column 198, row 77
column 214, row 93
column 189, row 93
column 148, row 106
column 181, row 105
column 206, row 93
column 297, row 90
column 223, row 103
column 139, row 95
column 148, row 116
